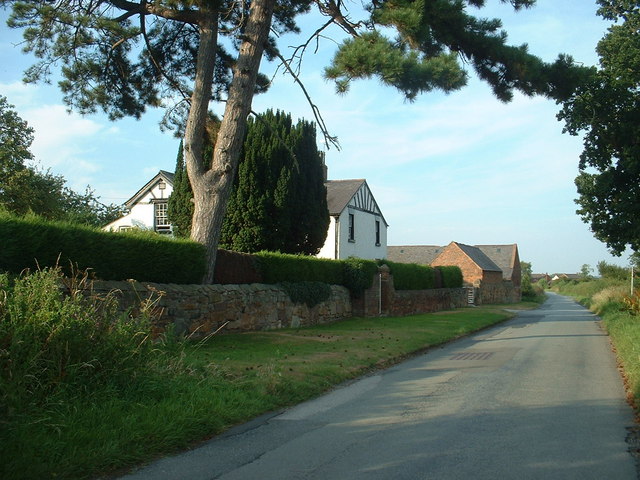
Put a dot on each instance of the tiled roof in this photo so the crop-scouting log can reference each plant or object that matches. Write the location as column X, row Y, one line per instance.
column 502, row 255
column 479, row 258
column 340, row 193
column 420, row 254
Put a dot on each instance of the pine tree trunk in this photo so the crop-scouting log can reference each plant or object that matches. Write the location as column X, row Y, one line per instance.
column 212, row 188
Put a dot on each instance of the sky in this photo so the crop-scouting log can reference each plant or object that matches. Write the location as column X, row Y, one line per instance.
column 460, row 167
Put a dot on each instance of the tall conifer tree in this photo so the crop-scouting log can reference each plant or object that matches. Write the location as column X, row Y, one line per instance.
column 180, row 204
column 278, row 202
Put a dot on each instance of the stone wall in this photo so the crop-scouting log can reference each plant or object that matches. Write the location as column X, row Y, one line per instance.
column 411, row 302
column 199, row 310
column 383, row 299
column 495, row 293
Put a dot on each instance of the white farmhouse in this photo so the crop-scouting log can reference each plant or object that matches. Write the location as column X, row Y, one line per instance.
column 357, row 227
column 148, row 207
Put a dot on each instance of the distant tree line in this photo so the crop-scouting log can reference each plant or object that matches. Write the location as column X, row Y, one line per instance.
column 26, row 189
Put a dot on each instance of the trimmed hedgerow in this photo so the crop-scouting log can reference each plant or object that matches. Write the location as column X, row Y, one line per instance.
column 411, row 276
column 451, row 277
column 32, row 243
column 280, row 267
column 355, row 274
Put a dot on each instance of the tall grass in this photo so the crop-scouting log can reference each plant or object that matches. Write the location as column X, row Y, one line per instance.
column 63, row 351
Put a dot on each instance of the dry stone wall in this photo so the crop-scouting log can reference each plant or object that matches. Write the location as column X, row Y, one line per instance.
column 199, row 310
column 495, row 293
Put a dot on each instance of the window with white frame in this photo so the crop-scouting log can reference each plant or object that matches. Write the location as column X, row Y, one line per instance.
column 161, row 220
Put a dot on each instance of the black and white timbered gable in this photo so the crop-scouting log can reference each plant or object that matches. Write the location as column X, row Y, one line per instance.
column 351, row 194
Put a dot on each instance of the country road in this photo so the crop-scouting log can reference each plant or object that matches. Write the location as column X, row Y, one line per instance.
column 537, row 397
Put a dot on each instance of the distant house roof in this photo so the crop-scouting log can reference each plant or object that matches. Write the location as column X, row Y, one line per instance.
column 479, row 257
column 504, row 256
column 161, row 175
column 341, row 192
column 420, row 254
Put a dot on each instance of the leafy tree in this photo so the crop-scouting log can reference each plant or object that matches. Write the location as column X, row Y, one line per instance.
column 525, row 284
column 278, row 202
column 122, row 56
column 25, row 189
column 585, row 272
column 16, row 137
column 607, row 110
column 615, row 272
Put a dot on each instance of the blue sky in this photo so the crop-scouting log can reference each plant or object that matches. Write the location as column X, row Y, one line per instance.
column 461, row 167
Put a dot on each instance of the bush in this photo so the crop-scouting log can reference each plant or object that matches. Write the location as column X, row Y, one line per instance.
column 32, row 243
column 357, row 274
column 51, row 342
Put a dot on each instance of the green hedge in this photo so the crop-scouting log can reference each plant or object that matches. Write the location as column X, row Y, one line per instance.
column 354, row 273
column 411, row 276
column 33, row 243
column 451, row 277
column 280, row 267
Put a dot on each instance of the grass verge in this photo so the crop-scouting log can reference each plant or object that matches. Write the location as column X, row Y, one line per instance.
column 203, row 389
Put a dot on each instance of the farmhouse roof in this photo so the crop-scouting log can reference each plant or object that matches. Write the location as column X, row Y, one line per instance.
column 504, row 256
column 161, row 175
column 420, row 254
column 479, row 257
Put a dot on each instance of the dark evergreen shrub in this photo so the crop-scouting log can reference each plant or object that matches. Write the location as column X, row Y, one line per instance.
column 236, row 268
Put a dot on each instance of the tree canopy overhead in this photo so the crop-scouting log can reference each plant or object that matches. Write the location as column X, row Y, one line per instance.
column 607, row 111
column 123, row 56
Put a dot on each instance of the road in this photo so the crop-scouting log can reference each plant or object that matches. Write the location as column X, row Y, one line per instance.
column 537, row 397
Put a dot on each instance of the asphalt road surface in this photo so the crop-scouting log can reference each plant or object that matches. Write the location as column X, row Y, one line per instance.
column 538, row 397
